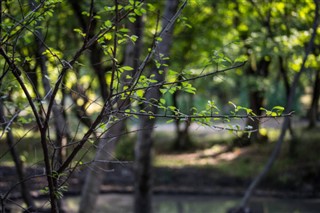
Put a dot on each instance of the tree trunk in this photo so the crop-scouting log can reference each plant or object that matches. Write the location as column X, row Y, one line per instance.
column 59, row 120
column 143, row 146
column 256, row 98
column 284, row 74
column 313, row 111
column 256, row 102
column 285, row 125
column 107, row 143
column 60, row 124
column 182, row 140
column 25, row 191
column 143, row 168
column 98, row 169
column 96, row 52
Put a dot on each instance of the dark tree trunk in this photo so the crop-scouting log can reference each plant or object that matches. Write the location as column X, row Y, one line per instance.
column 256, row 99
column 284, row 74
column 144, row 144
column 313, row 111
column 143, row 168
column 96, row 52
column 182, row 140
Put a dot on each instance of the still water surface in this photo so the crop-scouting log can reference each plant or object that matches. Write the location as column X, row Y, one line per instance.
column 122, row 203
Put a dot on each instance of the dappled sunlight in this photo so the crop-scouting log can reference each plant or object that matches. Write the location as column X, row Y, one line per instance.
column 208, row 157
column 231, row 155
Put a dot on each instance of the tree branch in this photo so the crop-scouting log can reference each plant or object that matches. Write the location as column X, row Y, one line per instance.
column 286, row 122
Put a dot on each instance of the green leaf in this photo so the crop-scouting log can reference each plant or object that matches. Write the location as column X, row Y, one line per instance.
column 162, row 100
column 134, row 38
column 263, row 109
column 127, row 68
column 163, row 91
column 190, row 90
column 132, row 19
column 124, row 30
column 274, row 114
column 108, row 36
column 28, row 59
column 235, row 106
column 170, row 121
column 108, row 23
column 138, row 12
column 140, row 93
column 241, row 58
column 151, row 7
column 79, row 31
column 279, row 109
column 172, row 108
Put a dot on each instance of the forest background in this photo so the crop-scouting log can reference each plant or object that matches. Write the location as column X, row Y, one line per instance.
column 83, row 85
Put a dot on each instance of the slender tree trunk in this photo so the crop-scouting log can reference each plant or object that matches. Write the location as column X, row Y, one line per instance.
column 25, row 191
column 143, row 168
column 97, row 170
column 313, row 111
column 144, row 143
column 284, row 74
column 61, row 126
column 59, row 119
column 177, row 142
column 285, row 125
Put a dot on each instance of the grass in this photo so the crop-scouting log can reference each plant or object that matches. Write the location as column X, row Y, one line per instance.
column 249, row 161
column 241, row 162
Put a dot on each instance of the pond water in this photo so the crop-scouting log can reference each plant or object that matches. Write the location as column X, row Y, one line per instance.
column 122, row 203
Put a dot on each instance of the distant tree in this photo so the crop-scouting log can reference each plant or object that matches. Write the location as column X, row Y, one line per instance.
column 144, row 144
column 314, row 107
column 293, row 87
